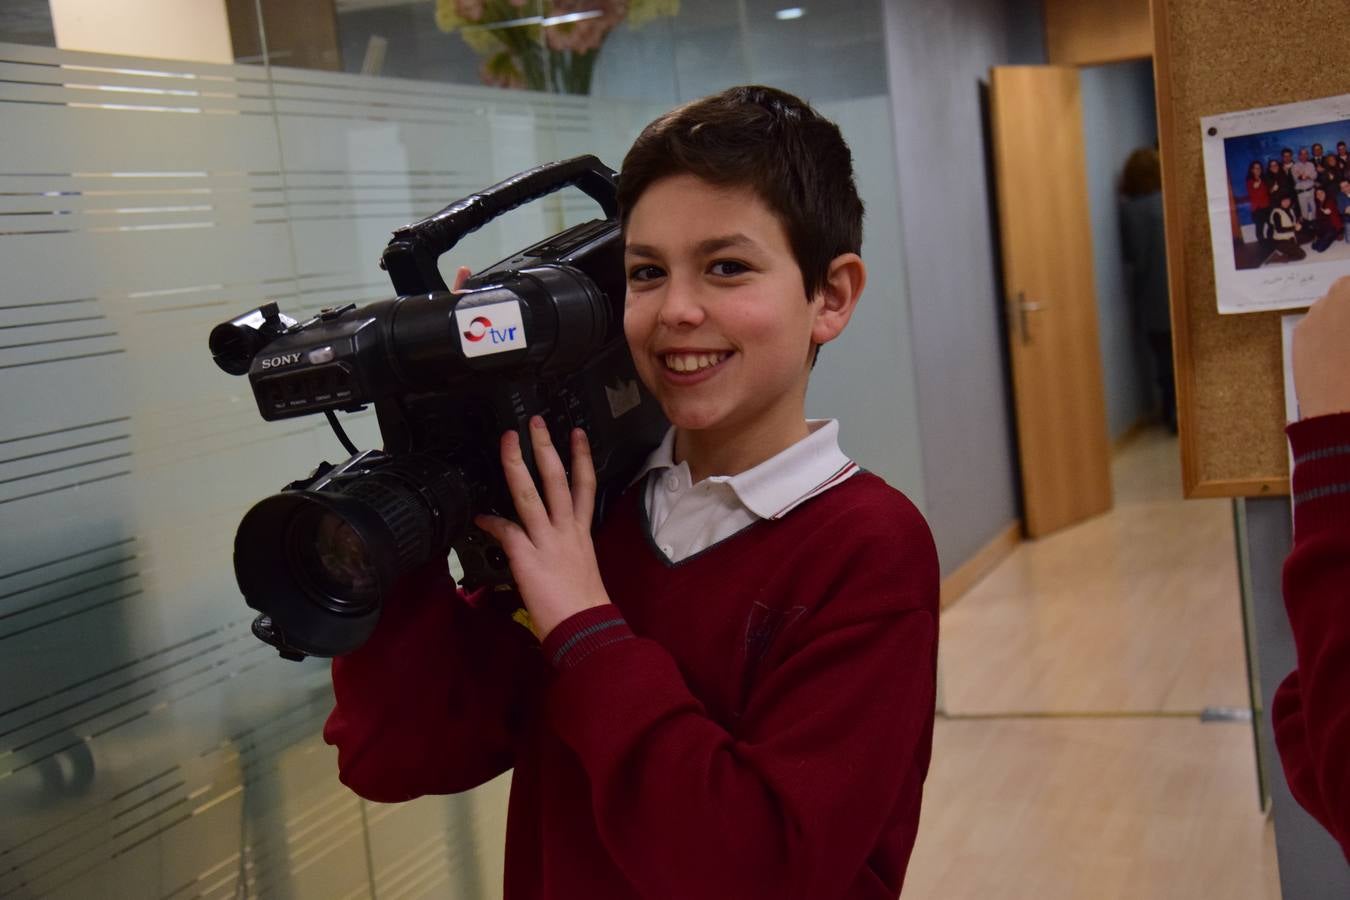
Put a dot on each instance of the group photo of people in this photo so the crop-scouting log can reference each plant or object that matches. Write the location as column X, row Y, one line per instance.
column 1289, row 195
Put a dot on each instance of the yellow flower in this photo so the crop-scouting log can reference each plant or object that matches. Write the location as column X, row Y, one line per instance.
column 447, row 16
column 640, row 12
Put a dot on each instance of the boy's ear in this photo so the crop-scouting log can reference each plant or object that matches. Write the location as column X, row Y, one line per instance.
column 844, row 282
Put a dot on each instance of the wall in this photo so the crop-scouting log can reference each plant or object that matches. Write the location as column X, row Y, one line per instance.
column 1118, row 116
column 938, row 58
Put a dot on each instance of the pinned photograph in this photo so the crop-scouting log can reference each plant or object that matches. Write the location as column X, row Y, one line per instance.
column 1278, row 186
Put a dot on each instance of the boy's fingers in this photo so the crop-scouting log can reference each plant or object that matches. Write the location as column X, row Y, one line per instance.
column 529, row 505
column 583, row 480
column 551, row 473
column 505, row 532
column 461, row 275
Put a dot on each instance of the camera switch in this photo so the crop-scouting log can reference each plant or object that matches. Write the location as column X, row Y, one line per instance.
column 321, row 355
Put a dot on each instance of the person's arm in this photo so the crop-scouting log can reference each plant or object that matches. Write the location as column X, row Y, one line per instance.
column 431, row 704
column 832, row 737
column 1311, row 710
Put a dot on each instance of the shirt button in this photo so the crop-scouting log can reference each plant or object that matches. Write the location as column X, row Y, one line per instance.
column 672, row 483
column 668, row 550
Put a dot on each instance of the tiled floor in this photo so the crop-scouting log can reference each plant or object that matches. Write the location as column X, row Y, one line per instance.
column 1072, row 762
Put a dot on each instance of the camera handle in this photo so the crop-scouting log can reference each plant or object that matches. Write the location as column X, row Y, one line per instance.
column 410, row 258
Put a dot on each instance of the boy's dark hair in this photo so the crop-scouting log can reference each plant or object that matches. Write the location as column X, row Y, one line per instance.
column 771, row 142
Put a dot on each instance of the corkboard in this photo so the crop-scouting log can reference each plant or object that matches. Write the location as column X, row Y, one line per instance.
column 1230, row 382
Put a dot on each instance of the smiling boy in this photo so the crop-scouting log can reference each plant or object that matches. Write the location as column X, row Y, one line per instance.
column 734, row 697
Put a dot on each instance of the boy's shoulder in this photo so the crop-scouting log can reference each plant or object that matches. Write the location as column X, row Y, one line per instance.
column 864, row 504
column 867, row 532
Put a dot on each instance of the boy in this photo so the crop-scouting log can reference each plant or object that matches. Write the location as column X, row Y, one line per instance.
column 734, row 697
column 1284, row 228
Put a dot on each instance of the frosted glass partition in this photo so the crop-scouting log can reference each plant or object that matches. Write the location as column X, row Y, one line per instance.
column 150, row 747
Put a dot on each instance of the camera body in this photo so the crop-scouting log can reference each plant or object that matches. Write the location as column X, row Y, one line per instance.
column 539, row 333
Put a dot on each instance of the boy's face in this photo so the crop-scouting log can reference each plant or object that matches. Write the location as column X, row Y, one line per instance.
column 716, row 314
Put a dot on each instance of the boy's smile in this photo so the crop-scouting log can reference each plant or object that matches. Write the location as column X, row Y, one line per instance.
column 718, row 321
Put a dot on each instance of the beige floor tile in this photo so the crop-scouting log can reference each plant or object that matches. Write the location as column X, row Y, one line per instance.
column 1074, row 764
column 1135, row 610
column 1092, row 809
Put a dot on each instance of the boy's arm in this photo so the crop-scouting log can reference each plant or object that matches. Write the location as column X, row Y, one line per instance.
column 1311, row 711
column 430, row 704
column 795, row 803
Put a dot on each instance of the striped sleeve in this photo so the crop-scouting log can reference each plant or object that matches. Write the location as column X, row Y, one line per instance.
column 1321, row 477
column 580, row 635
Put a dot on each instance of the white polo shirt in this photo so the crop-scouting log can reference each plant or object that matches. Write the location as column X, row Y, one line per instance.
column 685, row 517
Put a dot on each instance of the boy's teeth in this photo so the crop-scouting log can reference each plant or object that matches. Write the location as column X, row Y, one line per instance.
column 692, row 362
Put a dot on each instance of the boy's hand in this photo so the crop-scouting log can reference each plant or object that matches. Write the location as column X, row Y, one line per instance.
column 551, row 554
column 1322, row 355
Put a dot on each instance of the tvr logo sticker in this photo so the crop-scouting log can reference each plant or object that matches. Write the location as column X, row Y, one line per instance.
column 493, row 328
column 481, row 327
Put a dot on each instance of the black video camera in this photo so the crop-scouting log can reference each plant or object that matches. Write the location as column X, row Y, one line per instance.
column 539, row 333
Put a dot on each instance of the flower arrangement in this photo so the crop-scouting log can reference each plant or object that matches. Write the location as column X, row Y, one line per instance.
column 543, row 45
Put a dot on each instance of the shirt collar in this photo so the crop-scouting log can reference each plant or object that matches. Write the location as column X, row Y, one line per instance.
column 782, row 482
column 663, row 457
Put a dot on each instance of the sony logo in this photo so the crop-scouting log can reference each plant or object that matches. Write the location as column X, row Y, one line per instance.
column 283, row 360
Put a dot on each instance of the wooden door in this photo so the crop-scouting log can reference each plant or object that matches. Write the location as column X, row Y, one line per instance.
column 1046, row 235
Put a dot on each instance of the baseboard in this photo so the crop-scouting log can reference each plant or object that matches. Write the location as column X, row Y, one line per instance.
column 980, row 564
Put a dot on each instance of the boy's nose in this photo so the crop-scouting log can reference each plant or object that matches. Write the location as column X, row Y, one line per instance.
column 680, row 306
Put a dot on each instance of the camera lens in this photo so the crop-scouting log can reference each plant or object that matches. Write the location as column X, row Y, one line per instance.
column 332, row 561
column 316, row 561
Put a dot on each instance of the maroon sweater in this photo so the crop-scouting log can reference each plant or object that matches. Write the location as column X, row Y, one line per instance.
column 1311, row 710
column 752, row 722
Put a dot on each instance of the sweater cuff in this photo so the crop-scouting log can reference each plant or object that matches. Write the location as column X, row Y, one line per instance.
column 583, row 633
column 1321, row 478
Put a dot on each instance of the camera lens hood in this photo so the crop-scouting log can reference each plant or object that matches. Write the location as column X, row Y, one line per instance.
column 307, row 614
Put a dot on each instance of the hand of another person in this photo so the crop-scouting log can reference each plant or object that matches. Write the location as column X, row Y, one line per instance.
column 550, row 551
column 1322, row 355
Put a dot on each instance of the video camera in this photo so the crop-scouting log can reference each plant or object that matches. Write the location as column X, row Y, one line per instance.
column 539, row 333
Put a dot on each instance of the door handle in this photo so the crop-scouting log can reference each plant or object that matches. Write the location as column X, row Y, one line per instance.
column 1025, row 306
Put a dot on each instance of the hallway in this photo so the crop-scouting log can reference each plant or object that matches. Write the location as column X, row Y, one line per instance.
column 1072, row 761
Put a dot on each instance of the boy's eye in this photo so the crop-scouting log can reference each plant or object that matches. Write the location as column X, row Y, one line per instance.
column 728, row 267
column 644, row 273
